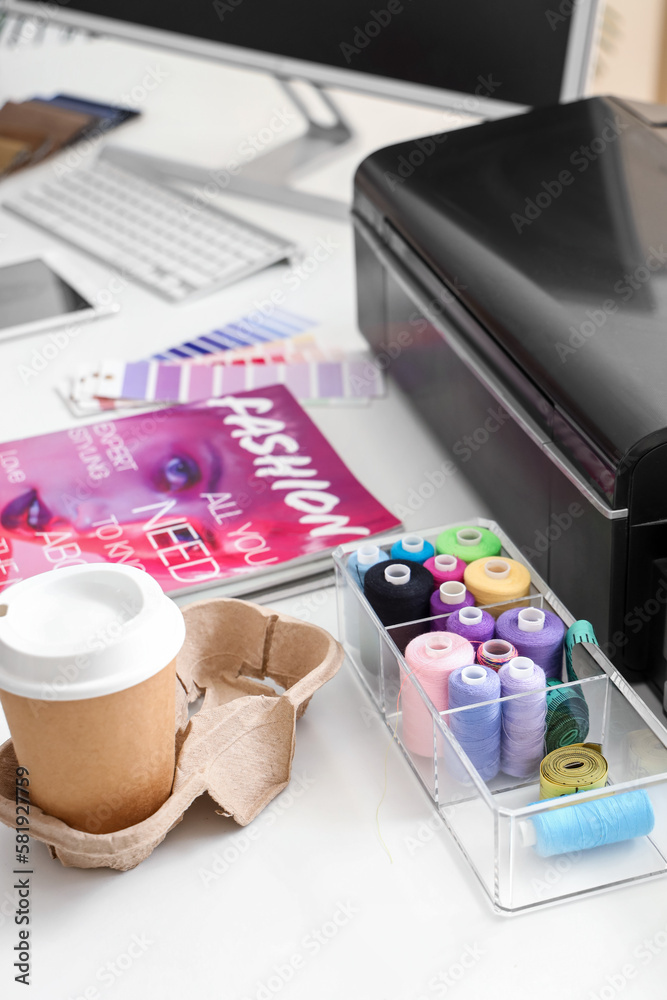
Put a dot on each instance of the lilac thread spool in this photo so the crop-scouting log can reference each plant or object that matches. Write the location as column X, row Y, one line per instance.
column 536, row 634
column 494, row 652
column 431, row 658
column 523, row 719
column 474, row 624
column 446, row 569
column 477, row 729
column 447, row 599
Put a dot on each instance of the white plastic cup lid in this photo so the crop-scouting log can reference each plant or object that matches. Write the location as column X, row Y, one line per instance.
column 85, row 631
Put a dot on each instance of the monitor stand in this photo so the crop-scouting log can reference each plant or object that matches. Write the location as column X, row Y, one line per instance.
column 268, row 177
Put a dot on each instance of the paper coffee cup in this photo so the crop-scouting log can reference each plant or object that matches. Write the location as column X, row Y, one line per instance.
column 87, row 683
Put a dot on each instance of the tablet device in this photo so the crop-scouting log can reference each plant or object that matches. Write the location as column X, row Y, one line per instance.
column 46, row 291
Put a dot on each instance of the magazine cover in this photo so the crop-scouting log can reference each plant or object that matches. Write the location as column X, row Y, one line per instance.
column 194, row 495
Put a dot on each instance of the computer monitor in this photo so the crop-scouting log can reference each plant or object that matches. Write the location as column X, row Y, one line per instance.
column 483, row 56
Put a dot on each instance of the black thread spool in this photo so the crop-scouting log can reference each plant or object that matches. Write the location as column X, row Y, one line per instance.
column 399, row 591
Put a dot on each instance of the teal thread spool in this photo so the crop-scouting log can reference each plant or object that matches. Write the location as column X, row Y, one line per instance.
column 567, row 719
column 468, row 543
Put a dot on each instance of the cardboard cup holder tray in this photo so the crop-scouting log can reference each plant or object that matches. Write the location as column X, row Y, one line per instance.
column 257, row 671
column 487, row 819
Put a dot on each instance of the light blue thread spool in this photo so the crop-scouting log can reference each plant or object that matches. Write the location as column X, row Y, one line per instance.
column 361, row 560
column 585, row 825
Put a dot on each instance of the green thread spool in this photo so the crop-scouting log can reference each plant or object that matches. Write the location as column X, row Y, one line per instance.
column 567, row 720
column 468, row 543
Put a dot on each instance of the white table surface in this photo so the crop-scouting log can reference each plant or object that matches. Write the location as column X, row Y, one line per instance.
column 213, row 913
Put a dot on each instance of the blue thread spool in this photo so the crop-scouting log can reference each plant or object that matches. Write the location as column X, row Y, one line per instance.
column 477, row 729
column 585, row 825
column 413, row 548
column 361, row 560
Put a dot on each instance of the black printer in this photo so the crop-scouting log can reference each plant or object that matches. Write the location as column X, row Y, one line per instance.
column 513, row 278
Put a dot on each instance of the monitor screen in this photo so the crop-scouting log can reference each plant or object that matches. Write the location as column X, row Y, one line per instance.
column 515, row 52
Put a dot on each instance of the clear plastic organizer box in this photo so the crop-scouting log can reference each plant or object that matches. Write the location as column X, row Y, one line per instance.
column 489, row 820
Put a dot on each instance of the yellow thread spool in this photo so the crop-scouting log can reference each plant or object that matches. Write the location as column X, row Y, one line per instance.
column 576, row 768
column 496, row 579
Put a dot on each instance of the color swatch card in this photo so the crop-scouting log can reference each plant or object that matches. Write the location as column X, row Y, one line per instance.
column 160, row 382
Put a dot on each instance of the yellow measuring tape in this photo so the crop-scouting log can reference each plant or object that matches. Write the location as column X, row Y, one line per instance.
column 575, row 768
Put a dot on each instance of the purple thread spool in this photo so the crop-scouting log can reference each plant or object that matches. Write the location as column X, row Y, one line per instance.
column 536, row 634
column 446, row 569
column 447, row 599
column 523, row 719
column 473, row 624
column 477, row 729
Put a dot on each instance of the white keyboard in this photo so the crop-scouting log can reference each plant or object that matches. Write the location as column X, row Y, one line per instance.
column 168, row 241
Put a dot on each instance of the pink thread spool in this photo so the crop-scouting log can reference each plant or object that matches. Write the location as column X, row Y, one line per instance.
column 431, row 658
column 446, row 569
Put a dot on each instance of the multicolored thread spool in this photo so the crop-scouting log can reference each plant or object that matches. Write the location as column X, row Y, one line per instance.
column 477, row 729
column 494, row 652
column 537, row 634
column 585, row 825
column 474, row 624
column 361, row 560
column 567, row 718
column 446, row 569
column 523, row 719
column 446, row 600
column 468, row 543
column 412, row 548
column 431, row 658
column 497, row 582
column 571, row 769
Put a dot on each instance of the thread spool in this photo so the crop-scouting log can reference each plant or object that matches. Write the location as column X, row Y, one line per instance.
column 398, row 592
column 584, row 825
column 567, row 770
column 431, row 657
column 449, row 598
column 468, row 543
column 567, row 718
column 446, row 569
column 361, row 560
column 412, row 548
column 523, row 719
column 537, row 634
column 494, row 652
column 477, row 729
column 474, row 624
column 496, row 580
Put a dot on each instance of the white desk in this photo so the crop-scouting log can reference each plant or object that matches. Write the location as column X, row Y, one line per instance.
column 221, row 916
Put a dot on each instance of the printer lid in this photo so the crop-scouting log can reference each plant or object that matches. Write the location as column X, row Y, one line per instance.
column 551, row 228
